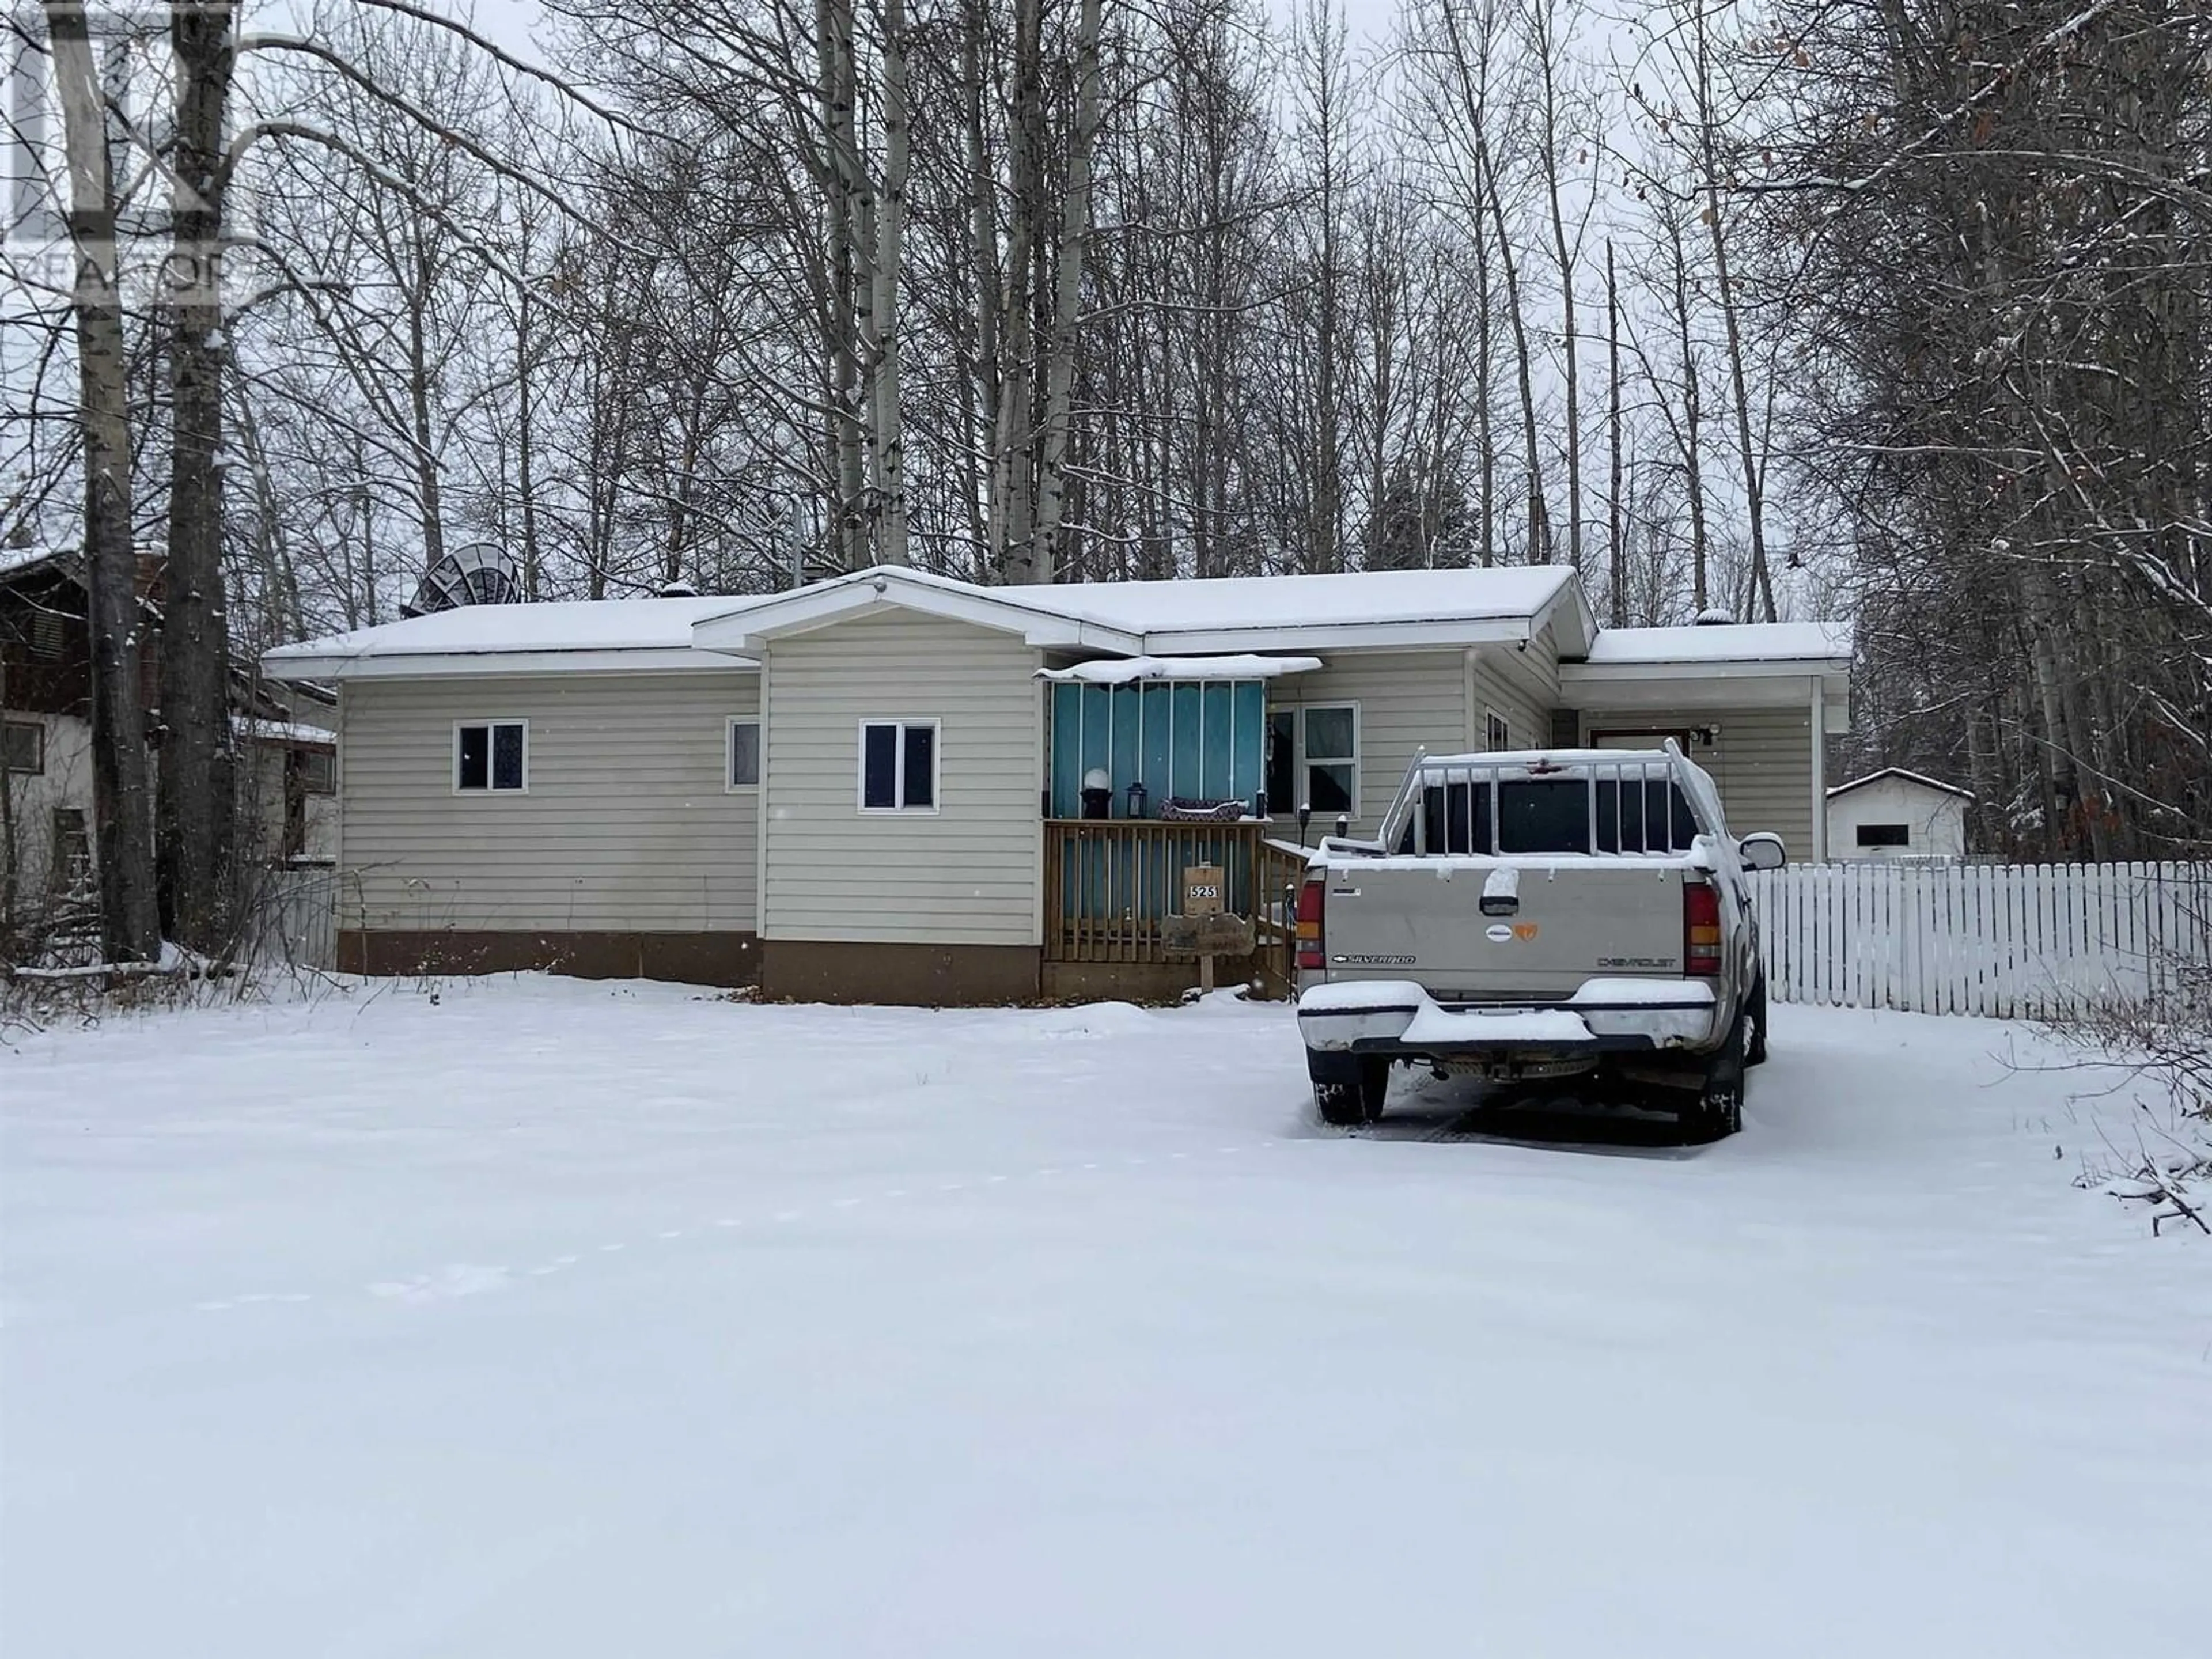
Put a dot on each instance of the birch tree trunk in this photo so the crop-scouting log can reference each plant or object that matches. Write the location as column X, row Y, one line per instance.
column 527, row 362
column 1616, row 555
column 1486, row 391
column 1692, row 413
column 1014, row 539
column 129, row 912
column 837, row 89
column 1544, row 23
column 1540, row 526
column 1067, row 300
column 888, row 437
column 1754, row 478
column 988, row 305
column 1321, row 36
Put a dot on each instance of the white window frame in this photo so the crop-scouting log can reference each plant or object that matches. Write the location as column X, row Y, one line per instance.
column 1496, row 732
column 903, row 724
column 453, row 767
column 38, row 769
column 307, row 755
column 730, row 786
column 1306, row 761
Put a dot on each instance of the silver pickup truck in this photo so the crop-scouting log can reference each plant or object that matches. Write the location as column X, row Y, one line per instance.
column 1527, row 917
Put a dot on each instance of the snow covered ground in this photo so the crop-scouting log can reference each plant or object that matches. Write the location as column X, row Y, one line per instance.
column 554, row 1319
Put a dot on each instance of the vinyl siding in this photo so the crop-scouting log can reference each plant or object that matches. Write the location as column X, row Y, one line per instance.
column 626, row 826
column 968, row 874
column 1522, row 686
column 1407, row 701
column 1761, row 760
column 1935, row 820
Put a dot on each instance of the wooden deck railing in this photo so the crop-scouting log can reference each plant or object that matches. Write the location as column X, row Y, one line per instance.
column 1109, row 881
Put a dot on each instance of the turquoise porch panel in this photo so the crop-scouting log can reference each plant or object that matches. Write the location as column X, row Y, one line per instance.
column 1199, row 738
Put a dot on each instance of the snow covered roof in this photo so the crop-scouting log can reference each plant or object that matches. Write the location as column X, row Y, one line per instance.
column 581, row 634
column 1716, row 666
column 1807, row 642
column 19, row 561
column 1920, row 778
column 1215, row 615
column 1350, row 598
column 1226, row 617
column 283, row 731
column 1123, row 670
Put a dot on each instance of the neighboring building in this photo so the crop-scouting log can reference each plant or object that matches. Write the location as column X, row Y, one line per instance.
column 46, row 825
column 872, row 788
column 1896, row 814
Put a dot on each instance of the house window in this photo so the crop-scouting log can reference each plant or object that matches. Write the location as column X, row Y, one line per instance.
column 317, row 770
column 744, row 754
column 1330, row 741
column 1885, row 835
column 23, row 746
column 898, row 766
column 1496, row 735
column 492, row 755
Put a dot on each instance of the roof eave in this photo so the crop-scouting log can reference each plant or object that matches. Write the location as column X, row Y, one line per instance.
column 1570, row 615
column 889, row 589
column 1689, row 668
column 1903, row 774
column 450, row 665
column 1338, row 636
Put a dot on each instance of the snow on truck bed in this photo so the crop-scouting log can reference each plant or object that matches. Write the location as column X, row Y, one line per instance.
column 556, row 1319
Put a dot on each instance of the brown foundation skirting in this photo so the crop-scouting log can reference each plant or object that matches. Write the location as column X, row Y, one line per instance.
column 719, row 959
column 920, row 976
column 1148, row 982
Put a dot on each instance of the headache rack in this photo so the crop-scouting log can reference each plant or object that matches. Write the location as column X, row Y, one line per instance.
column 1583, row 801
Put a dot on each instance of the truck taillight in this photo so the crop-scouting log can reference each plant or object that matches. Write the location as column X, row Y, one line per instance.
column 1701, row 928
column 1310, row 947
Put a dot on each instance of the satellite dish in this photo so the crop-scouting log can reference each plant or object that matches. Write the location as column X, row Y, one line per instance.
column 483, row 573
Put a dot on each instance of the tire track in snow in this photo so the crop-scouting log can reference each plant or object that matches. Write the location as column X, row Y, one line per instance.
column 456, row 1280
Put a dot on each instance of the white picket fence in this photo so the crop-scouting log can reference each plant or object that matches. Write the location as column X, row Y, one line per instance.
column 2015, row 941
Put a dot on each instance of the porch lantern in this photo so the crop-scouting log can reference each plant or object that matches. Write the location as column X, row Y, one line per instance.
column 1097, row 793
column 1138, row 800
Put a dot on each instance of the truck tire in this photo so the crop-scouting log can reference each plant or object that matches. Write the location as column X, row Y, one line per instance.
column 1754, row 1051
column 1715, row 1112
column 1348, row 1089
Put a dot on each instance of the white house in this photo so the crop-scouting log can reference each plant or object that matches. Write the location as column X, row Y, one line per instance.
column 880, row 787
column 1896, row 814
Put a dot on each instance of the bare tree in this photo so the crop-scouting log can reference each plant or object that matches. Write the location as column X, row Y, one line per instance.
column 198, row 804
column 122, row 804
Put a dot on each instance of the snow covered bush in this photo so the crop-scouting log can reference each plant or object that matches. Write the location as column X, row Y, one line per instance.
column 2162, row 1035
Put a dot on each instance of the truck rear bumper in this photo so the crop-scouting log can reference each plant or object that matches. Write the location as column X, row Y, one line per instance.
column 1400, row 1019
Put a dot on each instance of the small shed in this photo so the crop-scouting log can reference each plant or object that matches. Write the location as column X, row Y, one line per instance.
column 1896, row 814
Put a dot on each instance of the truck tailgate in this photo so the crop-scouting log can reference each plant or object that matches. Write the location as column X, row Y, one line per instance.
column 1558, row 921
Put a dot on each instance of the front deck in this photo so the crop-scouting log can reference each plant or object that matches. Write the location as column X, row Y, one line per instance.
column 1109, row 883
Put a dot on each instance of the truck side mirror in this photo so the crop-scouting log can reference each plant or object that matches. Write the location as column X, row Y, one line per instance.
column 1763, row 851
